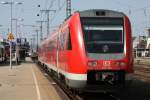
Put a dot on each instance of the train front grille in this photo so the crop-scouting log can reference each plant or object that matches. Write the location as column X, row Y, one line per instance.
column 105, row 77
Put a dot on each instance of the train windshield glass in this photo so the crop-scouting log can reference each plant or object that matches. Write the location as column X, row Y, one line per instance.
column 103, row 34
column 104, row 38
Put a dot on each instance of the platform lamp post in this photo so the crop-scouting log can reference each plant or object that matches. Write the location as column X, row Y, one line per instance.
column 11, row 5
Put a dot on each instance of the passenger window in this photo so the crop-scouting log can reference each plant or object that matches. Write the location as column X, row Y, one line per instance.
column 69, row 47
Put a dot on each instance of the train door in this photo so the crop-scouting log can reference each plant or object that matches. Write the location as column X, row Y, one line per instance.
column 57, row 52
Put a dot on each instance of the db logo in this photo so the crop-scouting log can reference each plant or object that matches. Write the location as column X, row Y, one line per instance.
column 106, row 63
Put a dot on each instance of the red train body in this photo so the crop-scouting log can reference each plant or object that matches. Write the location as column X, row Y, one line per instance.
column 92, row 47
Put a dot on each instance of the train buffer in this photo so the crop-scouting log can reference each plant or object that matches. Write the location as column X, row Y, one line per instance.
column 25, row 82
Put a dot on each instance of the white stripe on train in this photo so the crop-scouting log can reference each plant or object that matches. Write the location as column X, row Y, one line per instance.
column 68, row 75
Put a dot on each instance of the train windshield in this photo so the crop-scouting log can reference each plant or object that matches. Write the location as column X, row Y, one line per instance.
column 105, row 37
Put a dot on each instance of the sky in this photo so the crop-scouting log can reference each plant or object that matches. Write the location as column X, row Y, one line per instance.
column 138, row 12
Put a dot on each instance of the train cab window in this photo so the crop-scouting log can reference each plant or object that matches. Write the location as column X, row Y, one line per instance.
column 103, row 36
column 105, row 40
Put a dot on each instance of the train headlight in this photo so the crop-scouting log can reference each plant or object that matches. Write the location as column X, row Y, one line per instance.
column 92, row 63
column 120, row 64
column 117, row 64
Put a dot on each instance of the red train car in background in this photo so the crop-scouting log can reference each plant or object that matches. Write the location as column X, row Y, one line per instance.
column 91, row 48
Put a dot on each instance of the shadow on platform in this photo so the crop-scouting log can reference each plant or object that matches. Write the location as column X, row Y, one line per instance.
column 7, row 63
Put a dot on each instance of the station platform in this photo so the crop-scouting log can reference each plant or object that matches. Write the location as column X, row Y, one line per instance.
column 25, row 82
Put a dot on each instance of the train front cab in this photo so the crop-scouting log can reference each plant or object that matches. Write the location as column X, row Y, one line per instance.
column 108, row 46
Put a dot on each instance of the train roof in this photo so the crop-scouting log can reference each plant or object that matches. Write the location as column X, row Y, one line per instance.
column 101, row 13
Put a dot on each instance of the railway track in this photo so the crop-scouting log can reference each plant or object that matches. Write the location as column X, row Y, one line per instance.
column 144, row 67
column 142, row 71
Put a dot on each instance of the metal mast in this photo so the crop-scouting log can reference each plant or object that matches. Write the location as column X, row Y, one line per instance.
column 37, row 34
column 41, row 29
column 47, row 12
column 68, row 8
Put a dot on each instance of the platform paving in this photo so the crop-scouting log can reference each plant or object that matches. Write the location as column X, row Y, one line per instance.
column 25, row 82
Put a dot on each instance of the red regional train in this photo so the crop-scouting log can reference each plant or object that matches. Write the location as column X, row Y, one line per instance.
column 91, row 48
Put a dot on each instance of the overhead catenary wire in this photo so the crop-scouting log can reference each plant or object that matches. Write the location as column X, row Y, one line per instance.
column 57, row 11
column 131, row 9
column 51, row 4
column 58, row 3
column 124, row 4
column 60, row 7
column 46, row 3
